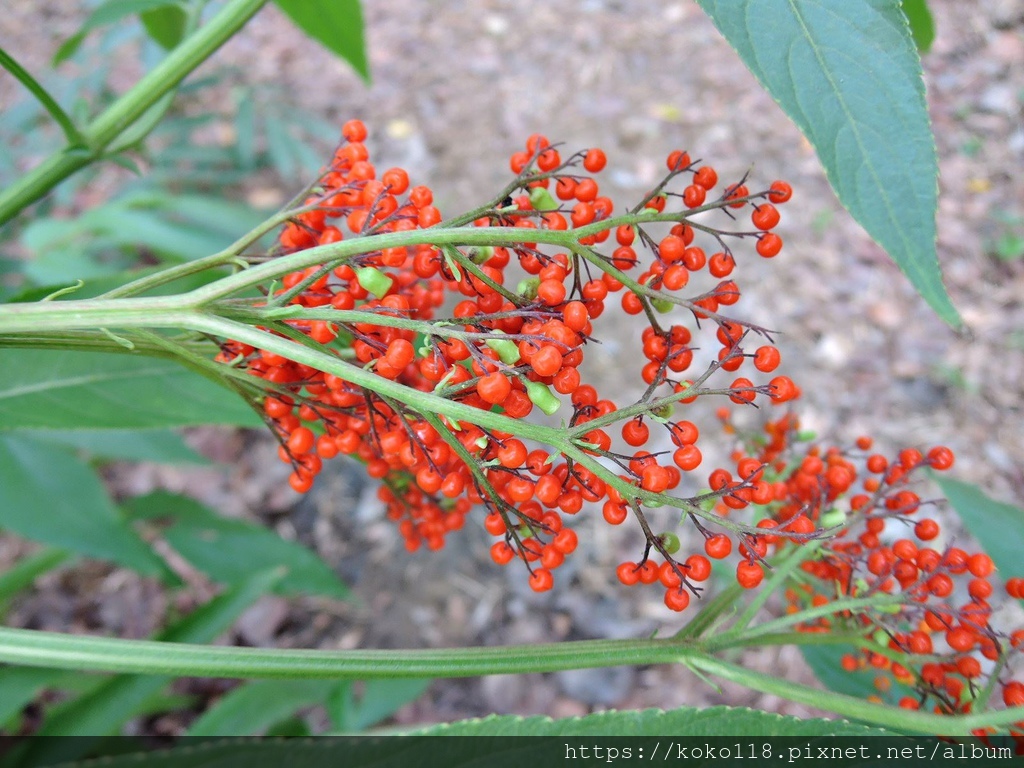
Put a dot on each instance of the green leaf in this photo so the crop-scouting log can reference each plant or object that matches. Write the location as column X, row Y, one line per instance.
column 225, row 549
column 352, row 713
column 125, row 162
column 280, row 147
column 165, row 24
column 922, row 26
column 67, row 390
column 998, row 527
column 107, row 238
column 43, row 96
column 251, row 709
column 23, row 573
column 158, row 445
column 68, row 48
column 650, row 734
column 49, row 496
column 110, row 12
column 826, row 663
column 146, row 122
column 21, row 685
column 849, row 77
column 337, row 24
column 245, row 131
column 99, row 285
column 104, row 710
column 685, row 722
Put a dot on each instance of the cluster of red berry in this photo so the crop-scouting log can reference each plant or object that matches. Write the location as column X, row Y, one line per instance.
column 505, row 350
column 936, row 637
column 511, row 351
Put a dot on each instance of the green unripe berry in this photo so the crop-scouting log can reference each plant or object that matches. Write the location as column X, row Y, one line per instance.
column 833, row 518
column 541, row 200
column 670, row 542
column 528, row 288
column 508, row 350
column 374, row 281
column 541, row 396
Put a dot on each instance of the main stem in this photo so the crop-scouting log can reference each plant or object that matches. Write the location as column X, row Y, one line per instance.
column 55, row 650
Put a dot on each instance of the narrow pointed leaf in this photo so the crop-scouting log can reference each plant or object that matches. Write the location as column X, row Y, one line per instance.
column 337, row 24
column 922, row 26
column 848, row 75
column 106, row 709
column 165, row 24
column 87, row 390
column 225, row 549
column 998, row 527
column 252, row 708
column 50, row 496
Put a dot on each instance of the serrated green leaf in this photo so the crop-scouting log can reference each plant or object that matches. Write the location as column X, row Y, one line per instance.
column 86, row 390
column 684, row 722
column 922, row 26
column 252, row 708
column 848, row 75
column 158, row 445
column 337, row 24
column 49, row 496
column 225, row 549
column 165, row 24
column 648, row 732
column 998, row 527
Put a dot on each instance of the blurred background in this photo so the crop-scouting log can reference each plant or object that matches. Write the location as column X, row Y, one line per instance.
column 456, row 88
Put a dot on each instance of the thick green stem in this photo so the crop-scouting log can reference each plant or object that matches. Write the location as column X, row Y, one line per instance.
column 53, row 650
column 62, row 651
column 102, row 131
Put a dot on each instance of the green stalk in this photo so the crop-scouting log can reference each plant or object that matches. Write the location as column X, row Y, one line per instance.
column 440, row 236
column 778, row 578
column 895, row 718
column 113, row 121
column 100, row 654
column 229, row 255
column 421, row 402
column 741, row 636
